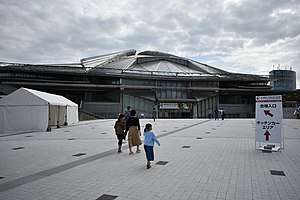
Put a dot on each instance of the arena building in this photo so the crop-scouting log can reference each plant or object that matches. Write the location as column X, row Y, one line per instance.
column 175, row 87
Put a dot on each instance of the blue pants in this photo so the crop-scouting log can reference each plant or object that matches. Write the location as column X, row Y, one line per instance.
column 149, row 152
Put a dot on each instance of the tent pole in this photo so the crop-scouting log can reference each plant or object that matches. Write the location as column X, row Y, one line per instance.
column 49, row 120
column 58, row 126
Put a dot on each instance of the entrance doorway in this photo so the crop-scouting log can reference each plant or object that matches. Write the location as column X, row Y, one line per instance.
column 179, row 114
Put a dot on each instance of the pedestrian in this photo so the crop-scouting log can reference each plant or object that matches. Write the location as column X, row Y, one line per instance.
column 127, row 116
column 222, row 113
column 127, row 113
column 134, row 132
column 154, row 113
column 149, row 139
column 297, row 111
column 120, row 127
column 216, row 113
column 209, row 113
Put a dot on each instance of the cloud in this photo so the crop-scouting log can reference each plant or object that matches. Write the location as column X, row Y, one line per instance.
column 237, row 35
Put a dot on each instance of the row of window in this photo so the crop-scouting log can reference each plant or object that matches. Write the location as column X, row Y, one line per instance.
column 171, row 94
column 19, row 75
column 116, row 81
column 174, row 84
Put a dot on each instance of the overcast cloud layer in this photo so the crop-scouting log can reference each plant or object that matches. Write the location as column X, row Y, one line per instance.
column 246, row 36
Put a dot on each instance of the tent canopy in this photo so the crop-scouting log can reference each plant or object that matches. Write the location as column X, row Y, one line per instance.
column 32, row 110
column 25, row 96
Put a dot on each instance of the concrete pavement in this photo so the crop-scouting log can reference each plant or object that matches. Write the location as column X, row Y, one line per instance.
column 201, row 159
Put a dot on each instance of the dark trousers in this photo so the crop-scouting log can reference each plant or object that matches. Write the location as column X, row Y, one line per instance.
column 149, row 152
column 120, row 137
column 216, row 116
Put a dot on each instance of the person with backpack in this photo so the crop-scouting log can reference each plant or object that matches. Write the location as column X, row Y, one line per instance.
column 120, row 127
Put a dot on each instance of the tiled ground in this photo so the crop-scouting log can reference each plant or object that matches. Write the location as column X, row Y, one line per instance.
column 220, row 163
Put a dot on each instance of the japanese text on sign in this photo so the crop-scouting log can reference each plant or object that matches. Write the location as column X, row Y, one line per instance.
column 268, row 119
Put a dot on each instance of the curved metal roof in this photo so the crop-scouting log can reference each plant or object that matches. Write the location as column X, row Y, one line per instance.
column 144, row 64
column 154, row 62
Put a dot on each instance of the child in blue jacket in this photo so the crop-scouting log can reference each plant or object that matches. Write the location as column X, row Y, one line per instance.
column 149, row 140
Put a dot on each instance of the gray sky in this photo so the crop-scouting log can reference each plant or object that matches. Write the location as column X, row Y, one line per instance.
column 245, row 36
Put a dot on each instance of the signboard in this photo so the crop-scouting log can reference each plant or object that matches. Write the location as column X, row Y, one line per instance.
column 268, row 119
column 174, row 106
column 168, row 106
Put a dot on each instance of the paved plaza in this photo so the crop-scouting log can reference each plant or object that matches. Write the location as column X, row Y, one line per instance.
column 197, row 159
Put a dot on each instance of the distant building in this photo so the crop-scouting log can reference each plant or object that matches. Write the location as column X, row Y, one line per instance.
column 174, row 86
column 283, row 79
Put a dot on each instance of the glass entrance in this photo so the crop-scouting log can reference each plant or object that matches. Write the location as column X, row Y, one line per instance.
column 179, row 114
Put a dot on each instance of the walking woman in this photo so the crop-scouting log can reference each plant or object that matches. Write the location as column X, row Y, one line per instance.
column 120, row 127
column 134, row 132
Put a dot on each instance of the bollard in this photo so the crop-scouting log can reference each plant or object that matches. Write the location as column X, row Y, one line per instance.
column 66, row 123
column 48, row 128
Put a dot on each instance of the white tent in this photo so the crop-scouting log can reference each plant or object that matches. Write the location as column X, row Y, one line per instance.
column 32, row 110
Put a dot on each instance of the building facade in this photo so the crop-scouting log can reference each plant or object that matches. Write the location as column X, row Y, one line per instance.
column 175, row 87
column 283, row 79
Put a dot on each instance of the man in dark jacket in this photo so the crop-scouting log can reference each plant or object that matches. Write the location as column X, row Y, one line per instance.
column 127, row 116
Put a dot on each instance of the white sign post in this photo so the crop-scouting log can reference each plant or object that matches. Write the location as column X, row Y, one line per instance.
column 268, row 121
